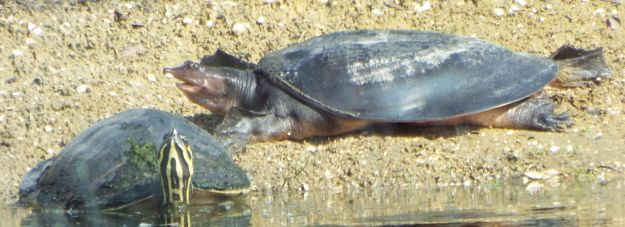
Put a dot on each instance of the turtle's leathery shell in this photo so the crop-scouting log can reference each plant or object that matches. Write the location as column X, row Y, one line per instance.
column 405, row 76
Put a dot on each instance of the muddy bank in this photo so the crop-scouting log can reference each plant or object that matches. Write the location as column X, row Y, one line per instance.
column 64, row 66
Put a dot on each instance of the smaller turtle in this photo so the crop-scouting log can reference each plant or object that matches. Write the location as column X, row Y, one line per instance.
column 345, row 81
column 114, row 164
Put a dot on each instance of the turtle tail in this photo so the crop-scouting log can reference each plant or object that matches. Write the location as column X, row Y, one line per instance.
column 580, row 67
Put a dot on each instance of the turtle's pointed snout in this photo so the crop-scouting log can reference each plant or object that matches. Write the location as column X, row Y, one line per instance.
column 169, row 69
column 187, row 65
column 189, row 72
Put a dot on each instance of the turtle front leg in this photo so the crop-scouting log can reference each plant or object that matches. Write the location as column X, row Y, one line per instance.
column 240, row 127
column 534, row 113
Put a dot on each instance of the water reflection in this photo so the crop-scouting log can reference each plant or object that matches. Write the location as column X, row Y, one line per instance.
column 574, row 204
column 227, row 214
column 493, row 205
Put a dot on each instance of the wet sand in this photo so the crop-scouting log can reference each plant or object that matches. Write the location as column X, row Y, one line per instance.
column 63, row 66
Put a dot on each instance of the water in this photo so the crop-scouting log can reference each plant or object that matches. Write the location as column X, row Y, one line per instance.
column 492, row 205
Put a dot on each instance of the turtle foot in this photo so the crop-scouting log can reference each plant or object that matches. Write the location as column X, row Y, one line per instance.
column 233, row 142
column 538, row 113
column 235, row 131
column 580, row 67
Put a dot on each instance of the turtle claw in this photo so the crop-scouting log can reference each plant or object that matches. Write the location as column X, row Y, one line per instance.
column 552, row 121
column 538, row 113
column 233, row 140
column 544, row 118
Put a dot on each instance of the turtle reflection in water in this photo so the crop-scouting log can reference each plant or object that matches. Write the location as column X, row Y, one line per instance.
column 114, row 165
column 345, row 81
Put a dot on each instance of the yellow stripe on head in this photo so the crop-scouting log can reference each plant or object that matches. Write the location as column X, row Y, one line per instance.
column 175, row 169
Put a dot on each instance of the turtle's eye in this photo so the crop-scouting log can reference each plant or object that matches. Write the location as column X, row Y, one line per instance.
column 191, row 65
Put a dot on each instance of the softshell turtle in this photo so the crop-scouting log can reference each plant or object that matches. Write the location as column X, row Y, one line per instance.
column 344, row 81
column 115, row 164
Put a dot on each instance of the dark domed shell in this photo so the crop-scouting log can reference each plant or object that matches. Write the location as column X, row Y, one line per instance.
column 113, row 163
column 405, row 76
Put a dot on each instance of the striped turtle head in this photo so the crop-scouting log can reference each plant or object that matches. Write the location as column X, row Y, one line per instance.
column 175, row 165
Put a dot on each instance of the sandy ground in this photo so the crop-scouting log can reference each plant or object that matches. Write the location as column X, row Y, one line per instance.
column 64, row 66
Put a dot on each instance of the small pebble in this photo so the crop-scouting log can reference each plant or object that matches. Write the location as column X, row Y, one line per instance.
column 614, row 22
column 38, row 81
column 520, row 2
column 137, row 24
column 312, row 149
column 129, row 5
column 554, row 149
column 83, row 88
column 2, row 118
column 513, row 9
column 48, row 128
column 534, row 175
column 261, row 20
column 16, row 94
column 187, row 21
column 541, row 19
column 210, row 23
column 305, row 187
column 598, row 136
column 31, row 26
column 240, row 28
column 601, row 178
column 37, row 31
column 34, row 29
column 270, row 1
column 17, row 53
column 151, row 78
column 498, row 12
column 11, row 80
column 599, row 12
column 377, row 12
column 425, row 6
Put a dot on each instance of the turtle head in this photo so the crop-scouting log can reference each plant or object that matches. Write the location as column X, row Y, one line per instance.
column 215, row 88
column 175, row 165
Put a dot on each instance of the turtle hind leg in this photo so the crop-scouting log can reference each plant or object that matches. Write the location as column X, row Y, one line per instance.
column 533, row 113
column 579, row 67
